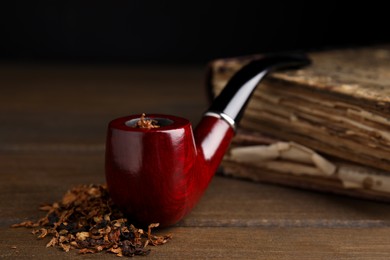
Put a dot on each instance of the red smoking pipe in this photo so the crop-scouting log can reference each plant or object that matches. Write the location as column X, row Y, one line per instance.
column 158, row 175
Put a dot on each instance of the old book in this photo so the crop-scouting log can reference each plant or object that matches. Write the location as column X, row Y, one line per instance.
column 266, row 159
column 327, row 126
column 340, row 105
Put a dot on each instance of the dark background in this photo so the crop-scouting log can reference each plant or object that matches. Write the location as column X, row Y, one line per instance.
column 181, row 31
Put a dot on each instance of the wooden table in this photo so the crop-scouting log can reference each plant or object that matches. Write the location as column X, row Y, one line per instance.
column 53, row 124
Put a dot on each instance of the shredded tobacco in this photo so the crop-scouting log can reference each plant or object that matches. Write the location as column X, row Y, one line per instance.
column 146, row 123
column 86, row 219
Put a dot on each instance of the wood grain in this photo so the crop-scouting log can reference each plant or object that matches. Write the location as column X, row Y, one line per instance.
column 52, row 138
column 234, row 243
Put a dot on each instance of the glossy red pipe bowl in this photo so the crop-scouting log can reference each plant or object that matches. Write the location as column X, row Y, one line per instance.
column 145, row 167
column 158, row 175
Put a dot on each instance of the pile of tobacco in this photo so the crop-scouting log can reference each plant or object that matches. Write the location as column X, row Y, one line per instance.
column 87, row 220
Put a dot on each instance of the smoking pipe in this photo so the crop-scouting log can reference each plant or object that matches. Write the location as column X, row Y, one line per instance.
column 158, row 175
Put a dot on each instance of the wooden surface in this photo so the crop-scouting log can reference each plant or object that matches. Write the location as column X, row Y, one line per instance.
column 53, row 123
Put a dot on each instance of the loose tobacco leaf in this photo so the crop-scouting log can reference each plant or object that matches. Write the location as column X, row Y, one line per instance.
column 146, row 123
column 86, row 219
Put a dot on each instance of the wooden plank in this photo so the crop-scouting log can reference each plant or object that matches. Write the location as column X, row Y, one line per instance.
column 42, row 177
column 234, row 203
column 66, row 110
column 73, row 104
column 233, row 243
column 277, row 243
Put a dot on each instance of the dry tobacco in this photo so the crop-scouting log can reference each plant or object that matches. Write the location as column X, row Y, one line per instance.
column 87, row 220
column 146, row 123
